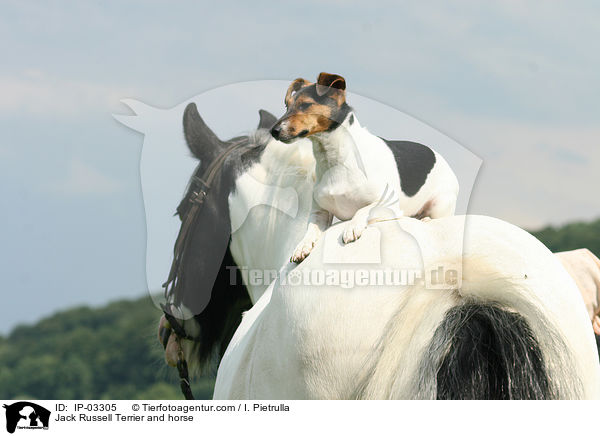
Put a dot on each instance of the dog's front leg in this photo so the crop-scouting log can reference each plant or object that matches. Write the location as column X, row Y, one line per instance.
column 359, row 222
column 319, row 221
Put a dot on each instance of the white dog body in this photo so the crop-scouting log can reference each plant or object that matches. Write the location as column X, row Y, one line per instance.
column 357, row 171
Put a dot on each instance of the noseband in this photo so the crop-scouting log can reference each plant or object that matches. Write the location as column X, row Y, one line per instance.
column 197, row 199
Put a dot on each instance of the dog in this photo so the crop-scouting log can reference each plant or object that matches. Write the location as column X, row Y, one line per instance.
column 357, row 171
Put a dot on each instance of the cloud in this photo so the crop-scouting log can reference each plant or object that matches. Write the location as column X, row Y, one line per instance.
column 82, row 179
column 524, row 59
column 500, row 59
column 34, row 92
column 532, row 174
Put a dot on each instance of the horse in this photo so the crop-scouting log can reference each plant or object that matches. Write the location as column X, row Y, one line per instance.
column 507, row 322
column 584, row 267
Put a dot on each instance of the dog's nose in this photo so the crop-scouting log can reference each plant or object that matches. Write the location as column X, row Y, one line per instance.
column 276, row 131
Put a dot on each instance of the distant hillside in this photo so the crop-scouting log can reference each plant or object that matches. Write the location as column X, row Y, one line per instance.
column 82, row 353
column 112, row 352
column 571, row 236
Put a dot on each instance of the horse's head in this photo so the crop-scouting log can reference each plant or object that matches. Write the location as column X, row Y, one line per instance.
column 202, row 302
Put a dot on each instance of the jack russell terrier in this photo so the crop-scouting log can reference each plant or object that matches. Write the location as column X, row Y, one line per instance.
column 357, row 171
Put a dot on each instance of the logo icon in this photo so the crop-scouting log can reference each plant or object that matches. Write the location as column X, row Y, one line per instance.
column 26, row 415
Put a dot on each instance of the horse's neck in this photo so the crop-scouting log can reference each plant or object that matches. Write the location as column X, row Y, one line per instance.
column 269, row 211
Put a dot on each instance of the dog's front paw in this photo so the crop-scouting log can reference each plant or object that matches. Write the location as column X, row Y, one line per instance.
column 305, row 246
column 302, row 251
column 353, row 231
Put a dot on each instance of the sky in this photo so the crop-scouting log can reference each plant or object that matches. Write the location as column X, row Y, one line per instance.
column 515, row 82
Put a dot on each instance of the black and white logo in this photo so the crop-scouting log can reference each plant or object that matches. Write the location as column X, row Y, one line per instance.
column 26, row 415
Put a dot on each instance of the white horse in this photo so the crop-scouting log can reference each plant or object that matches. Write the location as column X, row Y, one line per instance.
column 319, row 341
column 584, row 267
column 503, row 319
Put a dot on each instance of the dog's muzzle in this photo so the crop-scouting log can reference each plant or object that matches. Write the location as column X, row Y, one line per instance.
column 276, row 131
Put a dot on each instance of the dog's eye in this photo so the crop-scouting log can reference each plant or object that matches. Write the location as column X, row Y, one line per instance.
column 304, row 106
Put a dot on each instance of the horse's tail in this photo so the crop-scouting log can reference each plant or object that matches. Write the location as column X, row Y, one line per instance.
column 485, row 351
column 499, row 345
column 493, row 341
column 500, row 348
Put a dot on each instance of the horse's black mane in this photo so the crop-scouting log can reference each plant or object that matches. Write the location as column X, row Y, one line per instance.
column 208, row 283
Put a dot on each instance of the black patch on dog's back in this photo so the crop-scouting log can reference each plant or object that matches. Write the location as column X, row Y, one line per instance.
column 414, row 162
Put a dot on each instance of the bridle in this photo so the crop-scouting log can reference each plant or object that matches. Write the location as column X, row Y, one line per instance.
column 196, row 199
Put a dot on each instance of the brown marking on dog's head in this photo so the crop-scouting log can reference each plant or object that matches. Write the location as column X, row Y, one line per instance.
column 295, row 86
column 312, row 107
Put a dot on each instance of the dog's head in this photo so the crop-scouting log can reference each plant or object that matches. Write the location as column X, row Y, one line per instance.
column 312, row 108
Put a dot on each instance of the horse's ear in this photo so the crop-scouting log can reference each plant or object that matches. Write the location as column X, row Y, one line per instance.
column 267, row 119
column 201, row 141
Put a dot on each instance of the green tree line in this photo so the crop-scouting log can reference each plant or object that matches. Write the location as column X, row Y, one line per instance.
column 571, row 236
column 110, row 352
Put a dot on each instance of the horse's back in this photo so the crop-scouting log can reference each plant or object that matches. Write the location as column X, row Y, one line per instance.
column 370, row 340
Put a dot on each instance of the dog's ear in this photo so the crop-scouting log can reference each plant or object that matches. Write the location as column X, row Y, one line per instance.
column 295, row 86
column 326, row 82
